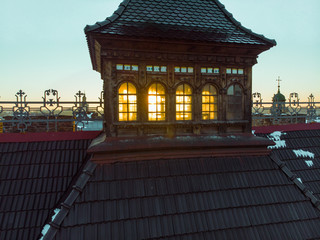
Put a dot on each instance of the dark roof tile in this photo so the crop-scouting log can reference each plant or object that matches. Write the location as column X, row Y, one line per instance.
column 178, row 20
column 33, row 179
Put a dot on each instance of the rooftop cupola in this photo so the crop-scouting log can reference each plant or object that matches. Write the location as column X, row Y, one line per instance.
column 175, row 67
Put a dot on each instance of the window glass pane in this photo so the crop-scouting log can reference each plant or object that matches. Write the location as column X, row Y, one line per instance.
column 237, row 91
column 213, row 90
column 187, row 107
column 132, row 116
column 187, row 116
column 209, row 102
column 216, row 70
column 179, row 116
column 127, row 67
column 163, row 68
column 152, row 117
column 206, row 90
column 132, row 88
column 119, row 67
column 132, row 107
column 123, row 117
column 187, row 99
column 123, row 107
column 240, row 71
column 132, row 98
column 127, row 95
column 161, row 116
column 135, row 68
column 156, row 68
column 179, row 90
column 160, row 89
column 183, row 102
column 230, row 90
column 190, row 69
column 228, row 71
column 123, row 98
column 156, row 102
column 152, row 107
column 183, row 69
column 209, row 70
column 205, row 115
column 187, row 89
column 123, row 88
column 234, row 71
column 205, row 99
column 203, row 70
column 177, row 69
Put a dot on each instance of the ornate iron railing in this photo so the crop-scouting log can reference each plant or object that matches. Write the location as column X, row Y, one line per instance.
column 52, row 114
column 278, row 112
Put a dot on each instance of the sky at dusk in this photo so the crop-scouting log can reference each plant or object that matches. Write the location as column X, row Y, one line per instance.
column 43, row 46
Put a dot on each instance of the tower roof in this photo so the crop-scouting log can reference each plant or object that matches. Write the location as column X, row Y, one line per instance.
column 195, row 20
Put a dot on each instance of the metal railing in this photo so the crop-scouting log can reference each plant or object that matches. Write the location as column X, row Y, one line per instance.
column 279, row 112
column 52, row 114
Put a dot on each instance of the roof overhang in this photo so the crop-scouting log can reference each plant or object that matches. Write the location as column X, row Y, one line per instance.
column 115, row 149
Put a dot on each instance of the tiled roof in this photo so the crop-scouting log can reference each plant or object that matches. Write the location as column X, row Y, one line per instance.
column 205, row 198
column 34, row 177
column 301, row 153
column 197, row 20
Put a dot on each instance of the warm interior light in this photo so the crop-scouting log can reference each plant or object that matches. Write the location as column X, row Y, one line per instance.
column 127, row 102
column 209, row 102
column 183, row 102
column 156, row 102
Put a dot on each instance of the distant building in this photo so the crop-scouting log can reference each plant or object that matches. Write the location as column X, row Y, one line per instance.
column 278, row 102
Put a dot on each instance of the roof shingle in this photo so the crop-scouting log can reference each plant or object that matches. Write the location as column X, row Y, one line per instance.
column 196, row 20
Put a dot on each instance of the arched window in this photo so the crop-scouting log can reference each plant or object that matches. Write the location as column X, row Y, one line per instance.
column 184, row 102
column 127, row 102
column 234, row 103
column 209, row 102
column 156, row 102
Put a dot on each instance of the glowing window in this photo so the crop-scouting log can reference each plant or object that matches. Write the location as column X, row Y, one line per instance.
column 156, row 102
column 209, row 103
column 127, row 102
column 184, row 102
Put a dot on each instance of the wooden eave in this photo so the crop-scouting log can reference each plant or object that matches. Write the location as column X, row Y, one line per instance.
column 171, row 46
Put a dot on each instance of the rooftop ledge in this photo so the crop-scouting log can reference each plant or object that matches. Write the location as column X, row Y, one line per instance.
column 106, row 150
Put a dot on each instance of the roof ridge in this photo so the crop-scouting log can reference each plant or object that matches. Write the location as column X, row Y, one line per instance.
column 240, row 26
column 123, row 5
column 65, row 206
column 293, row 177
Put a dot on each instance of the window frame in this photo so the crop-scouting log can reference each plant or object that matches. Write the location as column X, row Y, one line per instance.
column 184, row 103
column 128, row 103
column 235, row 102
column 157, row 104
column 210, row 103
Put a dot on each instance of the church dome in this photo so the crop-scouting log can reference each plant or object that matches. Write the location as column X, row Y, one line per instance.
column 279, row 97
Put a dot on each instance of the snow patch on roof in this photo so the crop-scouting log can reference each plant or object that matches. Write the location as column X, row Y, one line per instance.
column 302, row 153
column 47, row 226
column 253, row 131
column 309, row 163
column 276, row 138
column 299, row 179
column 44, row 230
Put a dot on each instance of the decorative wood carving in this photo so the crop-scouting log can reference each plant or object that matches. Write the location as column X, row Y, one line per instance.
column 192, row 57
